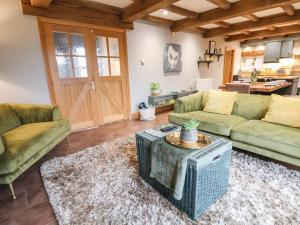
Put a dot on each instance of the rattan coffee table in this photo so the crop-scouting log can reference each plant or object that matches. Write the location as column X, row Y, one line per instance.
column 206, row 177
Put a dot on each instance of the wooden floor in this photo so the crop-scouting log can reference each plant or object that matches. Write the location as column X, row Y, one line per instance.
column 32, row 206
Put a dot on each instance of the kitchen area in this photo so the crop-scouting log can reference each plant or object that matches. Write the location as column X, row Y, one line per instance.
column 268, row 67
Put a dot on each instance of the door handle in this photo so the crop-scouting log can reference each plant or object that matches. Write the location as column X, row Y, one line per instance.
column 93, row 86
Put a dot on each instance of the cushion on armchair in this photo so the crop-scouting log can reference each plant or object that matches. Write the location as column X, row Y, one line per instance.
column 29, row 113
column 8, row 119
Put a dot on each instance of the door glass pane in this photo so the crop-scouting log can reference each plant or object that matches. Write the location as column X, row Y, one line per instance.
column 80, row 66
column 101, row 46
column 115, row 66
column 103, row 67
column 113, row 46
column 61, row 43
column 64, row 66
column 77, row 44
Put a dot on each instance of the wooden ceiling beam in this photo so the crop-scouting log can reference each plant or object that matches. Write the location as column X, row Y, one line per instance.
column 40, row 3
column 223, row 24
column 271, row 28
column 289, row 9
column 279, row 19
column 251, row 17
column 239, row 8
column 182, row 11
column 158, row 20
column 265, row 33
column 60, row 11
column 223, row 4
column 140, row 9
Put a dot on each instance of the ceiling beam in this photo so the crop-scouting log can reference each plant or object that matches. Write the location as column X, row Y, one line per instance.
column 91, row 16
column 182, row 11
column 279, row 19
column 223, row 4
column 158, row 20
column 289, row 9
column 140, row 9
column 265, row 33
column 295, row 36
column 251, row 17
column 271, row 28
column 223, row 24
column 239, row 8
column 40, row 3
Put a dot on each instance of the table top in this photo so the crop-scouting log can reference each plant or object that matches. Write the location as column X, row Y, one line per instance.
column 261, row 87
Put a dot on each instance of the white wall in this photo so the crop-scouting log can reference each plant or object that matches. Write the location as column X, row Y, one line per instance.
column 23, row 76
column 147, row 42
column 22, row 73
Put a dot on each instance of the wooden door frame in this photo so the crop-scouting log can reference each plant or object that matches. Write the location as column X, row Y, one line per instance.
column 232, row 65
column 42, row 20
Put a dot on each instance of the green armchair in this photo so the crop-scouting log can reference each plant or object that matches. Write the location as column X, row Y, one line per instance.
column 27, row 133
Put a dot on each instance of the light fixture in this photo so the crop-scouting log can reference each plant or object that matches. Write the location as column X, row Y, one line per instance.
column 165, row 12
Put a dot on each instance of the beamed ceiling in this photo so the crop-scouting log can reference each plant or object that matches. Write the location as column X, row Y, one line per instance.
column 244, row 20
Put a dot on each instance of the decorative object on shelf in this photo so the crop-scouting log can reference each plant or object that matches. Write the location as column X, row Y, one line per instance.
column 155, row 89
column 200, row 60
column 172, row 58
column 212, row 47
column 189, row 131
column 254, row 75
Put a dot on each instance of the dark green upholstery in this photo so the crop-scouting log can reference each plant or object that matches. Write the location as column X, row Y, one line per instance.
column 244, row 127
column 28, row 133
column 210, row 122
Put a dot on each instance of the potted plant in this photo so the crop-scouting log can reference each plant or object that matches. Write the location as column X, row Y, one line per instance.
column 155, row 89
column 254, row 75
column 189, row 131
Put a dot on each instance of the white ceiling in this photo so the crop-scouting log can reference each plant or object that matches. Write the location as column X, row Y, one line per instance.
column 210, row 26
column 296, row 5
column 169, row 15
column 238, row 19
column 269, row 12
column 117, row 3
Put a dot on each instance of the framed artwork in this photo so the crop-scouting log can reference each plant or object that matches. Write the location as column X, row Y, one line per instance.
column 212, row 47
column 172, row 58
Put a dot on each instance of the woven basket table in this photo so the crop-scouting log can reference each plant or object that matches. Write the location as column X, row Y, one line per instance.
column 206, row 177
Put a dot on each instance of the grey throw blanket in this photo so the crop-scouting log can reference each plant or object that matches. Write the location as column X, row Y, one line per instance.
column 168, row 166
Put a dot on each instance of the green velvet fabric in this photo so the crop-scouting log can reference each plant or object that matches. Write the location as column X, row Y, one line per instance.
column 189, row 103
column 251, row 107
column 210, row 122
column 29, row 113
column 8, row 119
column 25, row 141
column 267, row 153
column 2, row 148
column 8, row 178
column 282, row 139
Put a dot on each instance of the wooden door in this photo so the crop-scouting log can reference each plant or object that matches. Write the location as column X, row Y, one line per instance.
column 87, row 73
column 111, row 83
column 228, row 66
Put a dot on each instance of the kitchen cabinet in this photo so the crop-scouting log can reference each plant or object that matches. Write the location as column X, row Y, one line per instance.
column 287, row 49
column 272, row 52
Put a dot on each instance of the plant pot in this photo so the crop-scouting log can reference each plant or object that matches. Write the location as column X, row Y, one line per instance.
column 155, row 92
column 253, row 80
column 190, row 136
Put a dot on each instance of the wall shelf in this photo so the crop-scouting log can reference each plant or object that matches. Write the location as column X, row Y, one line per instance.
column 205, row 61
column 214, row 54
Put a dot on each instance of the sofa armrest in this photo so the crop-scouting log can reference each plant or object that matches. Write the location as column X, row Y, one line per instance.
column 29, row 113
column 2, row 146
column 189, row 103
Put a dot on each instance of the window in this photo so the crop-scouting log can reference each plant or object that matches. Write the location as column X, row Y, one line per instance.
column 70, row 55
column 108, row 56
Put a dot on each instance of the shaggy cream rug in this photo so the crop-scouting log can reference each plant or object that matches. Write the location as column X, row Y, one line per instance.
column 100, row 185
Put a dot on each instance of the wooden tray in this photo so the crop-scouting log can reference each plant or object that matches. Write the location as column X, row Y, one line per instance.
column 174, row 139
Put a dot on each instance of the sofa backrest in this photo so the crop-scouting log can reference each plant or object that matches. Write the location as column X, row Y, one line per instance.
column 8, row 119
column 249, row 106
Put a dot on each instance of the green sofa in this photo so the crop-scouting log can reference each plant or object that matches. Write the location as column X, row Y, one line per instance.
column 244, row 126
column 27, row 133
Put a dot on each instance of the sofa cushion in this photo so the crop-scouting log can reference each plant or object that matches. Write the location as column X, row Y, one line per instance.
column 284, row 111
column 189, row 103
column 210, row 122
column 279, row 138
column 220, row 102
column 8, row 119
column 26, row 140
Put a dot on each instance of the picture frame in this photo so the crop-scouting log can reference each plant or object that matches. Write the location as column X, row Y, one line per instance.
column 212, row 47
column 172, row 58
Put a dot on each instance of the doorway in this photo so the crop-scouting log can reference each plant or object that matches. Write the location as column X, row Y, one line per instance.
column 87, row 73
column 228, row 65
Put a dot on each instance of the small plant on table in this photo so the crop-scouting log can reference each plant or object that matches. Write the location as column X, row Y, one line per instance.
column 189, row 131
